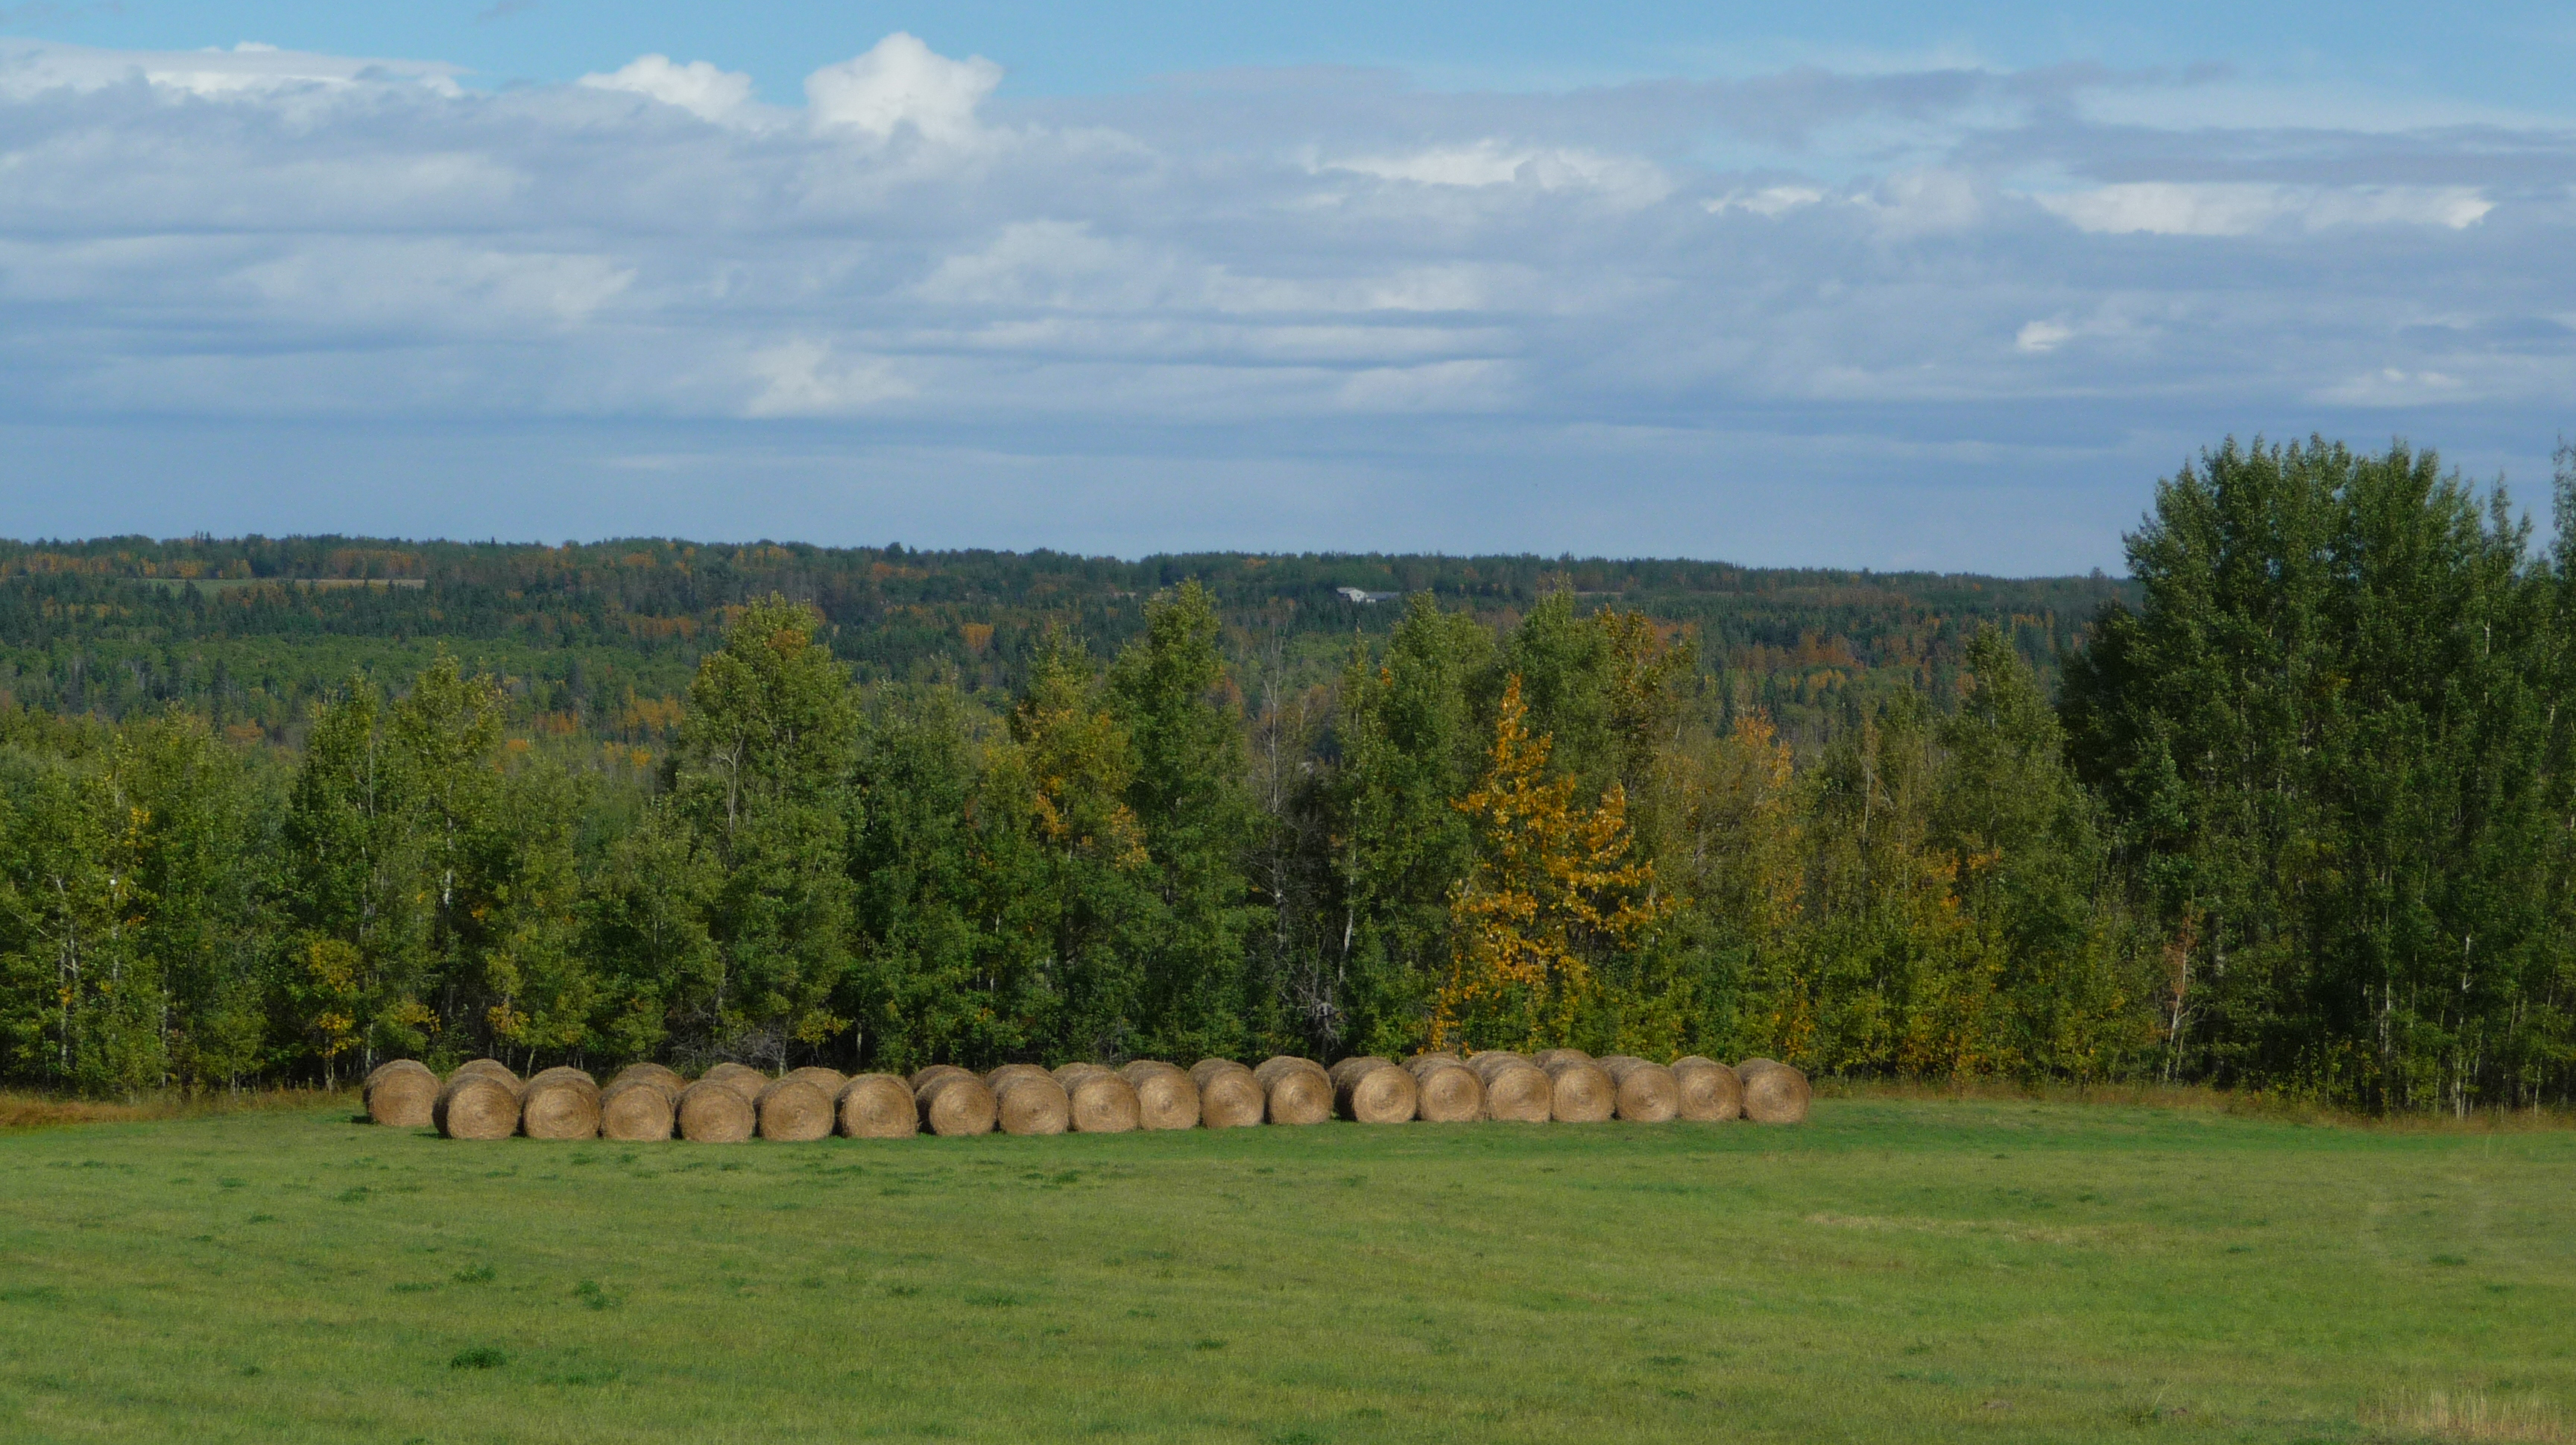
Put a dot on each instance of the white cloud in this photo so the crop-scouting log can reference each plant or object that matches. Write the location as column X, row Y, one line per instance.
column 2394, row 386
column 806, row 378
column 1492, row 162
column 1768, row 201
column 2236, row 208
column 697, row 87
column 1924, row 202
column 1501, row 289
column 2042, row 337
column 899, row 83
column 247, row 71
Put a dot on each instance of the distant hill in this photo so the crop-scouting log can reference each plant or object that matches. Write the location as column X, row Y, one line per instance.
column 603, row 636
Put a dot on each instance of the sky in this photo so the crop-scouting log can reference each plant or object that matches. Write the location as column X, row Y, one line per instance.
column 1862, row 285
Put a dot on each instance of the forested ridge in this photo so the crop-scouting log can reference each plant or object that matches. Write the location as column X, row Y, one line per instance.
column 2289, row 808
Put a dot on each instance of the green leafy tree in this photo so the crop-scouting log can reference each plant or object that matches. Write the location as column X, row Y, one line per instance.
column 1187, row 790
column 2325, row 735
column 760, row 777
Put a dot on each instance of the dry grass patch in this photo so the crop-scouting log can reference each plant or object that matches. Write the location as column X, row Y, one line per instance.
column 2465, row 1415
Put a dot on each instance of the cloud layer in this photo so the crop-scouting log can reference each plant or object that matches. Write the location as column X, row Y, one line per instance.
column 1947, row 317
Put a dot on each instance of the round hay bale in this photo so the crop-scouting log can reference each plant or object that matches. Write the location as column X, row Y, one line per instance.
column 1102, row 1102
column 1065, row 1074
column 1646, row 1093
column 1516, row 1090
column 559, row 1072
column 1435, row 1056
column 1710, row 1091
column 1201, row 1071
column 1229, row 1096
column 1028, row 1100
column 1295, row 1090
column 493, row 1067
column 650, row 1073
column 794, row 1111
column 402, row 1094
column 560, row 1104
column 878, row 1106
column 713, row 1111
column 1546, row 1057
column 1606, row 1060
column 1579, row 1093
column 830, row 1081
column 1371, row 1090
column 955, row 1103
column 633, row 1110
column 922, row 1078
column 476, row 1105
column 743, row 1079
column 1450, row 1092
column 1774, row 1093
column 1355, row 1065
column 1166, row 1098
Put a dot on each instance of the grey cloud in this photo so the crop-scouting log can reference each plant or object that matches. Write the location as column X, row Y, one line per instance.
column 1723, row 294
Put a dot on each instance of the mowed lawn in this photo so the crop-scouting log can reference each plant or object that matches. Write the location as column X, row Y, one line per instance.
column 1897, row 1271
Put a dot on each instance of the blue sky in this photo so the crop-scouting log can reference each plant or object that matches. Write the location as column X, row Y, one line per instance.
column 1882, row 285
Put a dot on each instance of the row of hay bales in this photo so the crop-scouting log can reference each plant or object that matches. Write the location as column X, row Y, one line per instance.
column 732, row 1102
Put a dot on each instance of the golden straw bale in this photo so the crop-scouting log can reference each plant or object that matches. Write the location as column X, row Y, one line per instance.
column 1547, row 1057
column 1450, row 1091
column 922, row 1078
column 651, row 1073
column 830, row 1081
column 1065, row 1074
column 1435, row 1056
column 1229, row 1096
column 1710, row 1091
column 1356, row 1064
column 878, row 1106
column 560, row 1104
column 713, row 1111
column 743, row 1079
column 1516, row 1090
column 1579, row 1093
column 560, row 1072
column 493, row 1067
column 1297, row 1091
column 402, row 1093
column 1103, row 1103
column 1646, row 1093
column 1166, row 1098
column 636, row 1107
column 1774, row 1093
column 476, row 1105
column 955, row 1103
column 794, row 1111
column 1028, row 1100
column 1372, row 1090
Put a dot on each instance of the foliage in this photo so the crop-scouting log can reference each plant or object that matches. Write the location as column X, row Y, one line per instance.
column 2291, row 824
column 1554, row 890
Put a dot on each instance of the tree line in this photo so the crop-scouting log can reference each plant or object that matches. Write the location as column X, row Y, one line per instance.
column 2298, row 819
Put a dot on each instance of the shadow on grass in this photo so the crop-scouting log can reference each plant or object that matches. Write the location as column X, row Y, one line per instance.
column 2237, row 1103
column 41, row 1111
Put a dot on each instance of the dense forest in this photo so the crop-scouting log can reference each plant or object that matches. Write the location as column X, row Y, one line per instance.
column 2288, row 808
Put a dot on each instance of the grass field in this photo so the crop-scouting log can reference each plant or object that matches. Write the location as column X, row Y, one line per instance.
column 1893, row 1271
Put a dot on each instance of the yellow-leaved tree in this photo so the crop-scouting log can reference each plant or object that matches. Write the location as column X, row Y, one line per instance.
column 1554, row 889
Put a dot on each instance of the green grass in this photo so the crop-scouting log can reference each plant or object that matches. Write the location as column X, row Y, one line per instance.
column 1896, row 1271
